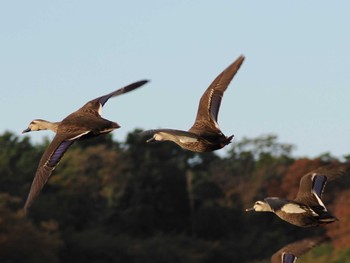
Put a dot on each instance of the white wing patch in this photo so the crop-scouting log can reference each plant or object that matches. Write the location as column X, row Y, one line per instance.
column 292, row 209
column 100, row 109
column 76, row 137
column 210, row 105
column 210, row 96
column 216, row 125
column 316, row 195
column 319, row 201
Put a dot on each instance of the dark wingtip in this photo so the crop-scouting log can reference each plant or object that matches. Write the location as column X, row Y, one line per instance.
column 134, row 85
column 242, row 57
column 141, row 82
column 144, row 81
column 239, row 60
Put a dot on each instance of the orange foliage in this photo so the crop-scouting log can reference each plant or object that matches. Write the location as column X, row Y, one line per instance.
column 340, row 231
column 273, row 188
column 290, row 183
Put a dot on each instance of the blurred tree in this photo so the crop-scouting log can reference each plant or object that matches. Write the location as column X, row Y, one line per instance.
column 137, row 202
column 340, row 231
column 20, row 240
column 88, row 180
column 18, row 163
column 155, row 198
column 290, row 184
column 250, row 166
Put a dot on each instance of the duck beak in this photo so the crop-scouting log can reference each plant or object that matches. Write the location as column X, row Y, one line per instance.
column 249, row 209
column 26, row 130
column 151, row 140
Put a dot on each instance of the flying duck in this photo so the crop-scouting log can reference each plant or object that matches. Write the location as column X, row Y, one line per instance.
column 205, row 134
column 291, row 252
column 81, row 124
column 307, row 209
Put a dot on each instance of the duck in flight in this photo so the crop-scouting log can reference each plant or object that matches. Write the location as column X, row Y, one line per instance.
column 205, row 134
column 291, row 252
column 307, row 209
column 81, row 124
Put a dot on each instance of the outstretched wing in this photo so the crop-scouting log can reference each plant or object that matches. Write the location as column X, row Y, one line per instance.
column 210, row 101
column 290, row 252
column 135, row 85
column 97, row 104
column 313, row 183
column 276, row 203
column 47, row 164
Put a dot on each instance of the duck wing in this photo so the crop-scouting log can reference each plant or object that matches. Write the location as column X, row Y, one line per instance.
column 290, row 252
column 276, row 203
column 96, row 105
column 48, row 163
column 103, row 99
column 210, row 101
column 313, row 183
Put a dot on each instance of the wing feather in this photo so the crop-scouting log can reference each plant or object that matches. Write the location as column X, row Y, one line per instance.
column 210, row 101
column 130, row 87
column 275, row 203
column 96, row 105
column 290, row 252
column 47, row 164
column 314, row 182
column 318, row 184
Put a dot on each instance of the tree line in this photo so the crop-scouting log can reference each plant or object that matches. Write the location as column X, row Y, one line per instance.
column 111, row 201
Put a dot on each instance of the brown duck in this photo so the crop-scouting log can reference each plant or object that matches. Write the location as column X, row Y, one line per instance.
column 205, row 134
column 81, row 124
column 307, row 209
column 291, row 252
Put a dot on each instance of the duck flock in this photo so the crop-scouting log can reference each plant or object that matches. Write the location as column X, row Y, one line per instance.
column 306, row 210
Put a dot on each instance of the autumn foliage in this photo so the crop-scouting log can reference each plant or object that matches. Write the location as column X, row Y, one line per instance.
column 111, row 201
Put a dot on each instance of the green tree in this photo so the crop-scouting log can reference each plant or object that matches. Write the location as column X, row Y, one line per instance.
column 20, row 240
column 155, row 198
column 18, row 162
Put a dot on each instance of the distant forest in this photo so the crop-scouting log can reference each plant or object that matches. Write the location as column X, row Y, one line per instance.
column 111, row 201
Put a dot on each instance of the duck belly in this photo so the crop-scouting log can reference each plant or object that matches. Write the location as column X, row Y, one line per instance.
column 299, row 219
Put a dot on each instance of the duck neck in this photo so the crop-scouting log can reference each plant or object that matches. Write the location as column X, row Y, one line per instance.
column 47, row 125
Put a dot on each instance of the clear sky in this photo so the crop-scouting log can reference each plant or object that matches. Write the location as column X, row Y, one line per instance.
column 295, row 82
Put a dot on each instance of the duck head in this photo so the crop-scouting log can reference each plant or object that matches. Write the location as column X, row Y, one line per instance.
column 38, row 124
column 260, row 206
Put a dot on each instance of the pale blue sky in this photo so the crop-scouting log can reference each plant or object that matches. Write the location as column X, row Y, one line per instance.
column 295, row 82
